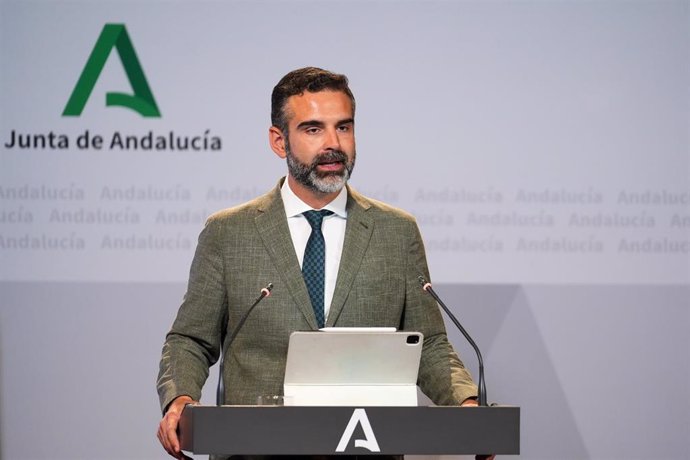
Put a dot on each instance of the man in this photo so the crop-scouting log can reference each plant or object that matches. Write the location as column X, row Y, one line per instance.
column 373, row 256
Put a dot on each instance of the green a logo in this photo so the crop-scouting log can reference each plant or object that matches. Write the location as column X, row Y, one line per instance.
column 142, row 101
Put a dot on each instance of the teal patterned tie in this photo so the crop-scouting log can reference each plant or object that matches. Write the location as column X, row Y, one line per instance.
column 313, row 265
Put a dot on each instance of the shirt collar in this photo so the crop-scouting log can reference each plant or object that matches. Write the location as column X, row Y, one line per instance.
column 295, row 207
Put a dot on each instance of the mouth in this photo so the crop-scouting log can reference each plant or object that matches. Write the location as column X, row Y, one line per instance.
column 333, row 162
column 329, row 166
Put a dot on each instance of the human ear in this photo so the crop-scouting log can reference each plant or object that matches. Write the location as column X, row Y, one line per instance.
column 277, row 141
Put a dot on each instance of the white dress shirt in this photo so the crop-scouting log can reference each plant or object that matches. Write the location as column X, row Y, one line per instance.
column 333, row 229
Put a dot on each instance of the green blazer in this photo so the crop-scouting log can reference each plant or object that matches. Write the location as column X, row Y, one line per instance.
column 242, row 249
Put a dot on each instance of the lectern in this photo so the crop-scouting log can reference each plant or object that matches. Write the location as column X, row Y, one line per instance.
column 295, row 430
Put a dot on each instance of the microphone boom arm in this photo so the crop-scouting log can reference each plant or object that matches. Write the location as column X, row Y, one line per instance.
column 220, row 390
column 481, row 384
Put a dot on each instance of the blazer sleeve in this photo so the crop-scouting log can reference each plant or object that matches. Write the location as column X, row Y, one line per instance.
column 193, row 343
column 442, row 375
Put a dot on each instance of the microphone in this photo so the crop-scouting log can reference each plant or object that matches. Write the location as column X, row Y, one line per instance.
column 265, row 292
column 482, row 386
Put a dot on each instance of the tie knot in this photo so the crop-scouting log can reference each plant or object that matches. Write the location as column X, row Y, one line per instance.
column 316, row 217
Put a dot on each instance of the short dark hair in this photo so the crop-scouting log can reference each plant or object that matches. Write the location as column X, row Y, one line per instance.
column 309, row 79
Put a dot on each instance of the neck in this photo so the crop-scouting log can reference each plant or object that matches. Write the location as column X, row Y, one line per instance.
column 316, row 200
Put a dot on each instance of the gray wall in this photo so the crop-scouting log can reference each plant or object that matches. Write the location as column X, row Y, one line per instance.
column 542, row 145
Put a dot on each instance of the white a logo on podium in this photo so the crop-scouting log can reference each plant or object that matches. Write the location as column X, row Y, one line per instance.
column 359, row 416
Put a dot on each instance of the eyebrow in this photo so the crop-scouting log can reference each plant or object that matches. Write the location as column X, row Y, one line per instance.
column 321, row 124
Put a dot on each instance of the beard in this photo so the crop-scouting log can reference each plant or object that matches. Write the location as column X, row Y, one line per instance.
column 321, row 182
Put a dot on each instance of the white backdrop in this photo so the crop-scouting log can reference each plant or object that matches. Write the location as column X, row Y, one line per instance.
column 543, row 147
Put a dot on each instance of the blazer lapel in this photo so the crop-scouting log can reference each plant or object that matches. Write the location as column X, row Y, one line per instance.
column 271, row 224
column 358, row 232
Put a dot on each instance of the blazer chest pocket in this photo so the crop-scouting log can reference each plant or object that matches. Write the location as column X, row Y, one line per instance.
column 377, row 298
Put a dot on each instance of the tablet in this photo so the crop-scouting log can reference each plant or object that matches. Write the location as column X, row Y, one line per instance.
column 353, row 366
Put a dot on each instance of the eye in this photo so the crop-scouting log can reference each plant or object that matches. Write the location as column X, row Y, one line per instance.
column 345, row 128
column 312, row 130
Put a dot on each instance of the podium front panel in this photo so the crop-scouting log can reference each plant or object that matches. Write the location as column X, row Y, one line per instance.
column 286, row 430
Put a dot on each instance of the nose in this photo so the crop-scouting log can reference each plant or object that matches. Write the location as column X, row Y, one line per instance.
column 332, row 140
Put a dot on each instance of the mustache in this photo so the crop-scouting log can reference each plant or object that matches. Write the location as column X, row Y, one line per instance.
column 331, row 156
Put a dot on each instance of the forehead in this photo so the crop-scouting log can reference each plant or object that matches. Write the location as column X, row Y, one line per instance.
column 323, row 105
